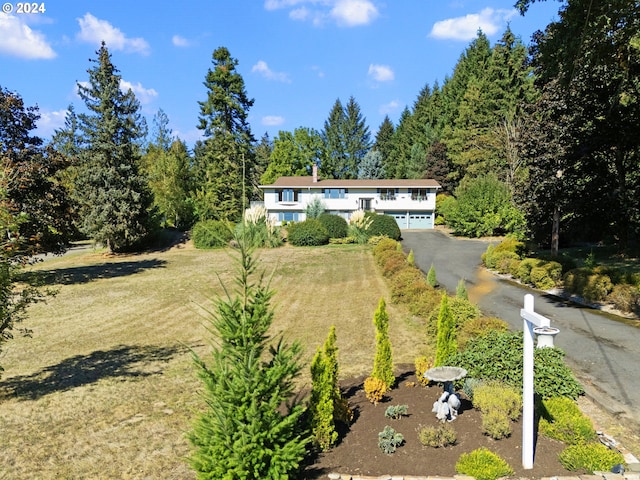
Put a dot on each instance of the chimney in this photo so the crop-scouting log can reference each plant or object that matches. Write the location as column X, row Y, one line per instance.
column 314, row 172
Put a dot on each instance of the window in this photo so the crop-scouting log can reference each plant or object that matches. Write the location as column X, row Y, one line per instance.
column 288, row 216
column 335, row 193
column 387, row 194
column 288, row 195
column 418, row 194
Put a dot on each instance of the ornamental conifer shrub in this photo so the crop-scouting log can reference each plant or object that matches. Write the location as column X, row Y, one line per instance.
column 446, row 337
column 383, row 361
column 243, row 431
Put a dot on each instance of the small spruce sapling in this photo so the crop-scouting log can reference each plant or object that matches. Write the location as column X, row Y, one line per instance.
column 383, row 361
column 431, row 277
column 446, row 345
column 411, row 259
column 461, row 290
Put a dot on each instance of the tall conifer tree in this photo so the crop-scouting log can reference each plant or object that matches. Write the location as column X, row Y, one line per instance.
column 117, row 204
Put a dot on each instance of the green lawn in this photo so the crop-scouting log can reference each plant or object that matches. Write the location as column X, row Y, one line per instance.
column 105, row 388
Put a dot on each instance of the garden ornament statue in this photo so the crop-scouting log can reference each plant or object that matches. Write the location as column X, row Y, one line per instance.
column 447, row 406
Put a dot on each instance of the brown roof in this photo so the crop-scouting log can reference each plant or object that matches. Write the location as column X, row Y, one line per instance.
column 307, row 181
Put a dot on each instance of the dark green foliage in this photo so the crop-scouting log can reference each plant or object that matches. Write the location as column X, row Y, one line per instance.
column 383, row 225
column 446, row 345
column 442, row 435
column 336, row 226
column 116, row 202
column 463, row 311
column 244, row 430
column 588, row 283
column 483, row 464
column 592, row 457
column 309, row 233
column 212, row 234
column 383, row 360
column 389, row 440
column 498, row 356
column 478, row 326
column 562, row 419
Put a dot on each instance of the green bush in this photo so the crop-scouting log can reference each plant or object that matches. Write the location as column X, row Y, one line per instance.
column 483, row 464
column 212, row 234
column 382, row 255
column 396, row 411
column 479, row 326
column 625, row 298
column 307, row 234
column 407, row 284
column 441, row 435
column 498, row 356
column 389, row 440
column 540, row 278
column 383, row 225
column 469, row 386
column 592, row 457
column 597, row 288
column 506, row 262
column 494, row 252
column 423, row 304
column 561, row 419
column 336, row 226
column 463, row 311
column 497, row 396
column 523, row 273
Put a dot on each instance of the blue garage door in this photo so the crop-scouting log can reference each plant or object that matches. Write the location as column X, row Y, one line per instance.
column 421, row 220
column 400, row 217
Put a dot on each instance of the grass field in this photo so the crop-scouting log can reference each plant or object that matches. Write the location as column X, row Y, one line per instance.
column 106, row 388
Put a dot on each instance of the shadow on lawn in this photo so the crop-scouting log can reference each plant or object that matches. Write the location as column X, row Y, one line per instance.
column 89, row 273
column 122, row 361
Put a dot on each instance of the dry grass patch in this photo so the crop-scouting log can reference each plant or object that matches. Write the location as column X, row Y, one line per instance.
column 106, row 387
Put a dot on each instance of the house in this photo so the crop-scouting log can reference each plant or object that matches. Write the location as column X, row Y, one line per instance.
column 411, row 202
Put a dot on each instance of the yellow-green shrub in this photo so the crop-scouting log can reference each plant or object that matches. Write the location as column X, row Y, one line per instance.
column 592, row 457
column 441, row 435
column 423, row 304
column 422, row 364
column 407, row 284
column 625, row 298
column 496, row 396
column 479, row 326
column 374, row 389
column 462, row 310
column 384, row 244
column 561, row 419
column 394, row 262
column 496, row 424
column 483, row 464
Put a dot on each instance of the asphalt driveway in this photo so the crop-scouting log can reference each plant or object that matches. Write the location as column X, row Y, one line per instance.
column 602, row 350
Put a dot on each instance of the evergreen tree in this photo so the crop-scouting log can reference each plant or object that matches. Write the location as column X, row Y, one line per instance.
column 461, row 290
column 446, row 345
column 384, row 140
column 396, row 164
column 325, row 393
column 371, row 165
column 162, row 135
column 244, row 432
column 431, row 276
column 115, row 198
column 357, row 137
column 225, row 163
column 383, row 361
column 263, row 151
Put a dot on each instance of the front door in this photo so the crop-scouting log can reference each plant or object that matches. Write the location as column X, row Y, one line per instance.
column 365, row 204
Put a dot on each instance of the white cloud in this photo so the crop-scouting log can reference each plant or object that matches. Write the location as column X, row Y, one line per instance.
column 144, row 95
column 94, row 30
column 179, row 41
column 391, row 107
column 381, row 73
column 263, row 69
column 50, row 121
column 318, row 71
column 18, row 40
column 272, row 120
column 348, row 13
column 352, row 13
column 488, row 20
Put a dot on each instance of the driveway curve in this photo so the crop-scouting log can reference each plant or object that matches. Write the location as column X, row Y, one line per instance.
column 602, row 350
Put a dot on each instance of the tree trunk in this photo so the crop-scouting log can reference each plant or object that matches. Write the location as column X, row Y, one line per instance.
column 555, row 232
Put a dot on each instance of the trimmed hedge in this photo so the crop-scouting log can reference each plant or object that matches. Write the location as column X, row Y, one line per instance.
column 309, row 233
column 336, row 226
column 383, row 225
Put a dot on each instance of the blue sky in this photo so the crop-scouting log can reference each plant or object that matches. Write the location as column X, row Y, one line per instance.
column 296, row 56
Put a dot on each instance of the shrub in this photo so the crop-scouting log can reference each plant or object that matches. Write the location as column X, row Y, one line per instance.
column 212, row 234
column 462, row 310
column 506, row 262
column 424, row 303
column 308, row 233
column 422, row 364
column 374, row 240
column 469, row 386
column 591, row 457
column 561, row 419
column 476, row 327
column 383, row 360
column 384, row 225
column 625, row 298
column 523, row 272
column 315, row 208
column 597, row 288
column 396, row 411
column 446, row 344
column 385, row 244
column 431, row 277
column 483, row 464
column 496, row 396
column 540, row 278
column 394, row 262
column 258, row 229
column 374, row 389
column 411, row 259
column 336, row 226
column 552, row 377
column 461, row 290
column 441, row 435
column 389, row 440
column 496, row 424
column 407, row 284
column 494, row 252
column 382, row 256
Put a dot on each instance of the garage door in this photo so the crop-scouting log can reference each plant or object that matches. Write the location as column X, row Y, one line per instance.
column 421, row 220
column 400, row 217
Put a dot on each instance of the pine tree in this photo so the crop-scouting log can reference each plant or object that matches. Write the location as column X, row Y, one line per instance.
column 446, row 340
column 383, row 361
column 225, row 162
column 244, row 433
column 325, row 393
column 431, row 276
column 371, row 166
column 115, row 198
column 384, row 141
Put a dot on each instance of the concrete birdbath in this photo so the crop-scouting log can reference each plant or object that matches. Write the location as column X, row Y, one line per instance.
column 446, row 407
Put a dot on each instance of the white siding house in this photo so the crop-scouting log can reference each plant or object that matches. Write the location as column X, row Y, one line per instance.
column 411, row 202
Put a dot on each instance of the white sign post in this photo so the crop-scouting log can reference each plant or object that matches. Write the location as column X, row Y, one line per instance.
column 532, row 320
